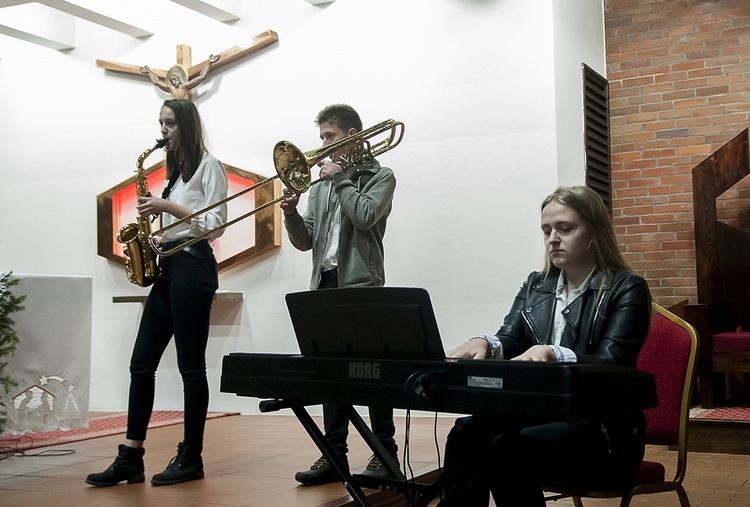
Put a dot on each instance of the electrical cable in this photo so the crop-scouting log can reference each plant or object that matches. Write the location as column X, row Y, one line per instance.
column 437, row 451
column 417, row 384
column 23, row 443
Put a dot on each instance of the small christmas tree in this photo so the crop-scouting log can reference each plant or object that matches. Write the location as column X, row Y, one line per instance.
column 8, row 336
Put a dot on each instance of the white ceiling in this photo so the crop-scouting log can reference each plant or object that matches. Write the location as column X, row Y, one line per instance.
column 51, row 23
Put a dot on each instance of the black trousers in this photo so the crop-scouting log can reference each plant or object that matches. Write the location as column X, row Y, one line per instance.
column 336, row 426
column 335, row 421
column 179, row 304
column 485, row 455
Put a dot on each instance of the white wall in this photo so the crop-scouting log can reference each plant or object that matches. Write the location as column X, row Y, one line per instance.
column 579, row 38
column 473, row 81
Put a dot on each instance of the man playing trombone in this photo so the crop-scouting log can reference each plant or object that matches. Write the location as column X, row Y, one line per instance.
column 344, row 225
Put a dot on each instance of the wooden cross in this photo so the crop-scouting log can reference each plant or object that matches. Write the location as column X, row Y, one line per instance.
column 188, row 76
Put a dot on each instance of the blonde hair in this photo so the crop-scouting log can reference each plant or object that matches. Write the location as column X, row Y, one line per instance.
column 593, row 212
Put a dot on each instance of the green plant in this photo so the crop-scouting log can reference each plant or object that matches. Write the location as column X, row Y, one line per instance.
column 8, row 336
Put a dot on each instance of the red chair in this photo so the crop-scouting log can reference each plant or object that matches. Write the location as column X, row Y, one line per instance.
column 670, row 353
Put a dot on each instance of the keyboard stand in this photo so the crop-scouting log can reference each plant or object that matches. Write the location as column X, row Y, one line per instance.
column 354, row 483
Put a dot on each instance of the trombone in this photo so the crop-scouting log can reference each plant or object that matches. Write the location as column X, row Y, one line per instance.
column 293, row 169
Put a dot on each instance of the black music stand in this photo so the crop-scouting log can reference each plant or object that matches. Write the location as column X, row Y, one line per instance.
column 366, row 322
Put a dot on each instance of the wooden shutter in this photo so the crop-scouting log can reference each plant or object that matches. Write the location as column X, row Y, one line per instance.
column 596, row 134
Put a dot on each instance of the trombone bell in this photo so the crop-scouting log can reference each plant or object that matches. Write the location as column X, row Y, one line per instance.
column 292, row 166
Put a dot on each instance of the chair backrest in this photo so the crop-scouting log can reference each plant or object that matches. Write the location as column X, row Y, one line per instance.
column 669, row 353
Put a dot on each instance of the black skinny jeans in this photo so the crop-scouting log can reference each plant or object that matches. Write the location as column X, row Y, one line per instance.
column 179, row 304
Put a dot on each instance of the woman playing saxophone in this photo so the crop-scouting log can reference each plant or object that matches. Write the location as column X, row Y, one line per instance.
column 179, row 303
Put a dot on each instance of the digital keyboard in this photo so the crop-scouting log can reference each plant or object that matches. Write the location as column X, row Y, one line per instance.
column 528, row 391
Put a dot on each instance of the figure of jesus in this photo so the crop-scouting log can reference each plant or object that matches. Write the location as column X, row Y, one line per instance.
column 177, row 83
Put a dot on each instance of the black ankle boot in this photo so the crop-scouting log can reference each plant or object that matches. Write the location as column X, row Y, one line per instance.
column 186, row 466
column 128, row 466
column 321, row 472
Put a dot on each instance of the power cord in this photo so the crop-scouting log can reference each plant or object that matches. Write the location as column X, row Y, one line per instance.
column 412, row 387
column 437, row 452
column 22, row 444
column 418, row 384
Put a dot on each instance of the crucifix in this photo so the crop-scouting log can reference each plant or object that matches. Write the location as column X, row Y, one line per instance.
column 182, row 77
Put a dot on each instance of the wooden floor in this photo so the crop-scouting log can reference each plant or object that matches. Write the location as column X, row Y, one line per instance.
column 251, row 460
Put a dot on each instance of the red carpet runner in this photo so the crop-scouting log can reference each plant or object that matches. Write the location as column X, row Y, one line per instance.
column 721, row 414
column 99, row 426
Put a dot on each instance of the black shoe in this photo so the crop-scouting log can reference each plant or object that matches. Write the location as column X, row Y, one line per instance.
column 128, row 466
column 186, row 466
column 375, row 468
column 321, row 472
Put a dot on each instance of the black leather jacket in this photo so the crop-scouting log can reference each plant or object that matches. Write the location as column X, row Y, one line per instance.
column 607, row 324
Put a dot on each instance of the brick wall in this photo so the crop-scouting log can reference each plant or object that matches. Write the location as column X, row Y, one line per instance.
column 679, row 73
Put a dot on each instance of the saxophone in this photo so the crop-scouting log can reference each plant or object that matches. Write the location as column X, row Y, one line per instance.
column 140, row 259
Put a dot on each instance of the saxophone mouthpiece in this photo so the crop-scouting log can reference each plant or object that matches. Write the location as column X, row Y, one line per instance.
column 160, row 143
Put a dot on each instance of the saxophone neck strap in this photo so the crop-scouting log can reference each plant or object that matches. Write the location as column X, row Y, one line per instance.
column 172, row 180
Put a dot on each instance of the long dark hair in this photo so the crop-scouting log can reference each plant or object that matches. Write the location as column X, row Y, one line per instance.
column 191, row 144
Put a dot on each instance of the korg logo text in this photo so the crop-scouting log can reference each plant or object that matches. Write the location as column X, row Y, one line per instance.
column 364, row 370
